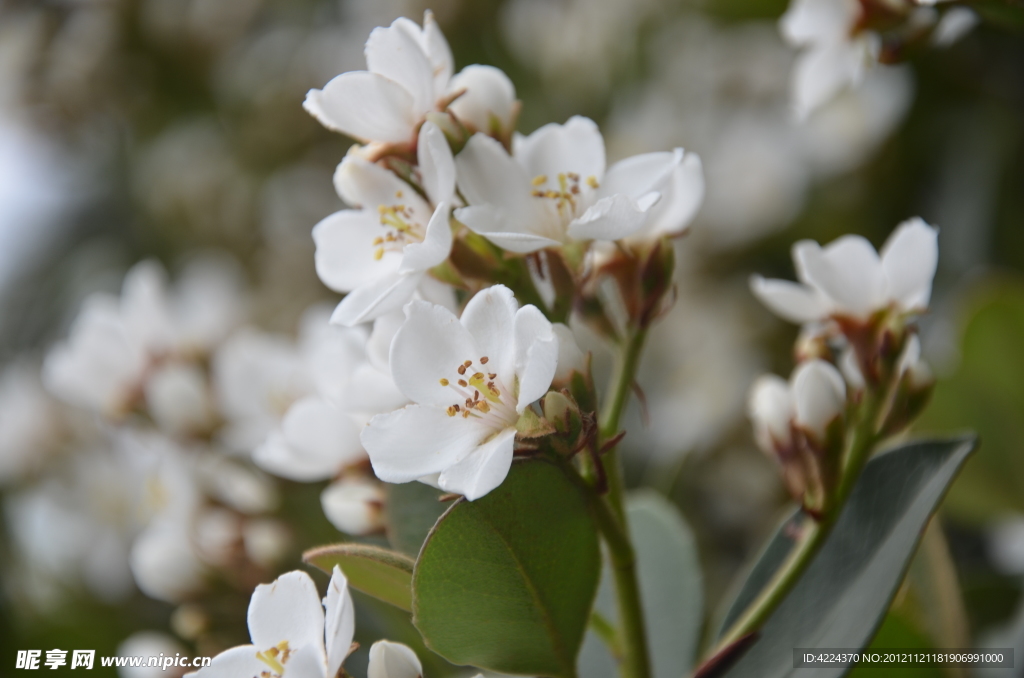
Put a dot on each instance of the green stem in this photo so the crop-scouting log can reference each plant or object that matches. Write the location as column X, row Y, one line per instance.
column 814, row 532
column 611, row 515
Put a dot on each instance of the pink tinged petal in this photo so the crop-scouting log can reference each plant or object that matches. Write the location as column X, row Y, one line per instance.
column 612, row 218
column 492, row 223
column 397, row 53
column 910, row 257
column 819, row 395
column 438, row 52
column 577, row 146
column 233, row 663
column 490, row 317
column 536, row 355
column 376, row 298
column 420, row 440
column 850, row 273
column 361, row 183
column 791, row 301
column 365, row 106
column 436, row 245
column 345, row 250
column 487, row 175
column 287, row 610
column 430, row 346
column 489, row 94
column 680, row 199
column 340, row 621
column 483, row 470
column 437, row 165
column 393, row 660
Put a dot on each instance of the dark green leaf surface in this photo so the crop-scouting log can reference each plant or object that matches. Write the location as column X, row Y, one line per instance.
column 506, row 583
column 410, row 511
column 846, row 591
column 375, row 571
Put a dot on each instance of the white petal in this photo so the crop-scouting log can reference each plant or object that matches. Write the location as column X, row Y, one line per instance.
column 436, row 245
column 418, row 440
column 771, row 409
column 577, row 146
column 570, row 357
column 489, row 95
column 397, row 54
column 437, row 165
column 490, row 316
column 483, row 470
column 487, row 175
column 353, row 505
column 393, row 660
column 376, row 298
column 536, row 355
column 319, row 440
column 287, row 610
column 809, row 22
column 370, row 391
column 610, row 218
column 640, row 174
column 345, row 250
column 794, row 302
column 492, row 223
column 365, row 184
column 680, row 199
column 365, row 106
column 232, row 663
column 340, row 621
column 910, row 257
column 438, row 52
column 819, row 75
column 819, row 393
column 430, row 346
column 849, row 271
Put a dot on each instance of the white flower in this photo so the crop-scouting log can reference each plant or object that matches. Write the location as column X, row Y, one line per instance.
column 849, row 279
column 470, row 380
column 835, row 54
column 353, row 505
column 147, row 644
column 379, row 252
column 814, row 396
column 554, row 189
column 408, row 75
column 918, row 374
column 291, row 636
column 393, row 660
column 30, row 427
column 570, row 357
column 489, row 101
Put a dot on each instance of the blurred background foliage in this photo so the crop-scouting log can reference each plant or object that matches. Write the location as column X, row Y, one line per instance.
column 156, row 128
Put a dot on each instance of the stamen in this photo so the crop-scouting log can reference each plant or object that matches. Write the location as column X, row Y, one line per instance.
column 462, row 369
column 444, row 382
column 540, row 179
column 462, row 383
column 592, row 182
column 483, row 361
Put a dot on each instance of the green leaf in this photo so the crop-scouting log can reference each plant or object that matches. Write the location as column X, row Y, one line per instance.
column 670, row 590
column 410, row 511
column 506, row 582
column 383, row 574
column 846, row 591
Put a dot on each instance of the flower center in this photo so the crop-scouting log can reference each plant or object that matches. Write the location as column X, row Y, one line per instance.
column 275, row 657
column 482, row 395
column 400, row 227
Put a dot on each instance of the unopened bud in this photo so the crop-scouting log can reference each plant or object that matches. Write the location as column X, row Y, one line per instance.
column 819, row 396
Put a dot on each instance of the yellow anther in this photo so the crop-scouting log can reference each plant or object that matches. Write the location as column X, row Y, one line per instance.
column 444, row 382
column 483, row 406
column 398, row 194
column 378, row 240
column 382, row 209
column 592, row 181
column 483, row 361
column 378, row 254
column 462, row 383
column 453, row 410
column 269, row 657
column 540, row 179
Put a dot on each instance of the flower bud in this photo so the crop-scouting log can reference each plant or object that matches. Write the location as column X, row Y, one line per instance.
column 393, row 660
column 819, row 395
column 770, row 407
column 353, row 505
column 570, row 357
column 488, row 104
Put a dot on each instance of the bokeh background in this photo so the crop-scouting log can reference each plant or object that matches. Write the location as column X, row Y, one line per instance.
column 135, row 129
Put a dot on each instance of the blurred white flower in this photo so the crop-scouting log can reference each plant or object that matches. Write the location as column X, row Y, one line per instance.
column 290, row 631
column 489, row 102
column 470, row 380
column 955, row 23
column 30, row 426
column 353, row 504
column 848, row 278
column 379, row 252
column 814, row 396
column 553, row 189
column 835, row 54
column 148, row 644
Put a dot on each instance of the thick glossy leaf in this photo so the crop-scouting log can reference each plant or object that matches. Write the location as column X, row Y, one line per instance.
column 506, row 582
column 410, row 511
column 846, row 591
column 375, row 571
column 670, row 589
